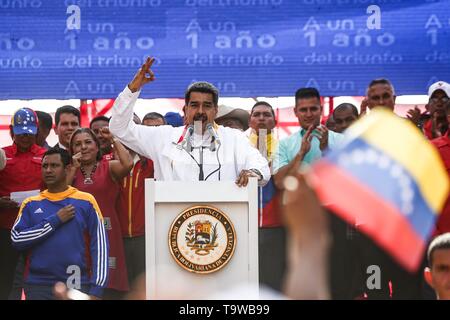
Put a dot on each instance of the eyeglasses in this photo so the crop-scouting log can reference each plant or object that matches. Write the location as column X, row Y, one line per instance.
column 443, row 99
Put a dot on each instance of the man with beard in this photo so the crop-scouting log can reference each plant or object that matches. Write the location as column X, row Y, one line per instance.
column 201, row 150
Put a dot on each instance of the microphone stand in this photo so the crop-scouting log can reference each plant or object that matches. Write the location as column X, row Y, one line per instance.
column 201, row 175
column 188, row 148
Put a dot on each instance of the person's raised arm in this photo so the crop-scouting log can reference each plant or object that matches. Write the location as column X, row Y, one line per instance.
column 121, row 167
column 143, row 76
column 73, row 167
column 309, row 241
column 140, row 139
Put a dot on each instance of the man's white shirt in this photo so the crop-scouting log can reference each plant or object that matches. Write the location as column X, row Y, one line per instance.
column 61, row 146
column 171, row 161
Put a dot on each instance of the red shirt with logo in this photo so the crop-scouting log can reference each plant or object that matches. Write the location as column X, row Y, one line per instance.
column 109, row 156
column 131, row 204
column 22, row 173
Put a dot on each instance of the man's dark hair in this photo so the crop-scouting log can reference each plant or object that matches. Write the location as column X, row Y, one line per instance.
column 45, row 119
column 65, row 157
column 345, row 105
column 136, row 118
column 203, row 87
column 305, row 93
column 381, row 81
column 67, row 109
column 154, row 116
column 98, row 118
column 263, row 103
column 440, row 242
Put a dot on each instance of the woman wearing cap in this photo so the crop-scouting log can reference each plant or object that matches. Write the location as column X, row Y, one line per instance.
column 99, row 177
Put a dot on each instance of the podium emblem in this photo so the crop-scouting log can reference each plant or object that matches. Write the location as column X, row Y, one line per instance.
column 202, row 239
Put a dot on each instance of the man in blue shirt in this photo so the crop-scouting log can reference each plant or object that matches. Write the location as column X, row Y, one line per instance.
column 63, row 235
column 308, row 144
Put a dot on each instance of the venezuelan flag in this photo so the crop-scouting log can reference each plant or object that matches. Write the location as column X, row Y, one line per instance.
column 269, row 206
column 389, row 180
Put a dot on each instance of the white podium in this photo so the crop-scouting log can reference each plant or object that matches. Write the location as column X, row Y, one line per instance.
column 179, row 240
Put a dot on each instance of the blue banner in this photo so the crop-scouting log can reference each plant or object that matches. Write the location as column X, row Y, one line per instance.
column 92, row 48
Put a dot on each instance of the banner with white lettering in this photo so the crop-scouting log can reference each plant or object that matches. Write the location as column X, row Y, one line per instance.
column 92, row 48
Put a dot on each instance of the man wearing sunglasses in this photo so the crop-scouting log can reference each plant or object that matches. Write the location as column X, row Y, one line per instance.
column 437, row 125
column 433, row 122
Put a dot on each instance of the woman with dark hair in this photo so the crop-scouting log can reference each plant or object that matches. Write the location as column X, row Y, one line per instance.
column 99, row 177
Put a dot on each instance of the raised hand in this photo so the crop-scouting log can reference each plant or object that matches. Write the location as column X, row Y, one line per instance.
column 414, row 115
column 106, row 134
column 302, row 211
column 323, row 137
column 76, row 160
column 306, row 142
column 363, row 107
column 309, row 240
column 143, row 76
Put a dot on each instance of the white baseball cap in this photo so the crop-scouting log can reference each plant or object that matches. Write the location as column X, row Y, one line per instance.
column 440, row 85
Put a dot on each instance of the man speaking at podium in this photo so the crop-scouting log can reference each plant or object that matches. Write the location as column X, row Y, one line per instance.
column 199, row 151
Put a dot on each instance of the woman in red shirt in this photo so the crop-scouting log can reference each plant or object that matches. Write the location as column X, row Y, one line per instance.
column 99, row 177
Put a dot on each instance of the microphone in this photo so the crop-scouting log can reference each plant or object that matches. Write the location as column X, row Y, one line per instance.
column 186, row 142
column 214, row 136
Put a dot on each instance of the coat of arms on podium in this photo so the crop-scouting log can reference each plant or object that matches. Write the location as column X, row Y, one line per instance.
column 202, row 239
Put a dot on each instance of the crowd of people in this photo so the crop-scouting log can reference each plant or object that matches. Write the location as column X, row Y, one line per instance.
column 74, row 212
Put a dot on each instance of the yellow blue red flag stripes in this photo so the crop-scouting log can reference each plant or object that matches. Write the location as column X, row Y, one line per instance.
column 389, row 180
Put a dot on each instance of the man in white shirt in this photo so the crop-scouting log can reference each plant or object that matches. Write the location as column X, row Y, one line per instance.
column 206, row 152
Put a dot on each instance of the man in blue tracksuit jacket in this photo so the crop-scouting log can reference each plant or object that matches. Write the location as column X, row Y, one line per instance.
column 63, row 234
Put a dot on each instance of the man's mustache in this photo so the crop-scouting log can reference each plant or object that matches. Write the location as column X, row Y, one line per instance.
column 200, row 117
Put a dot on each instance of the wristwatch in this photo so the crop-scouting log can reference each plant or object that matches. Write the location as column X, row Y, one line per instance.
column 257, row 172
